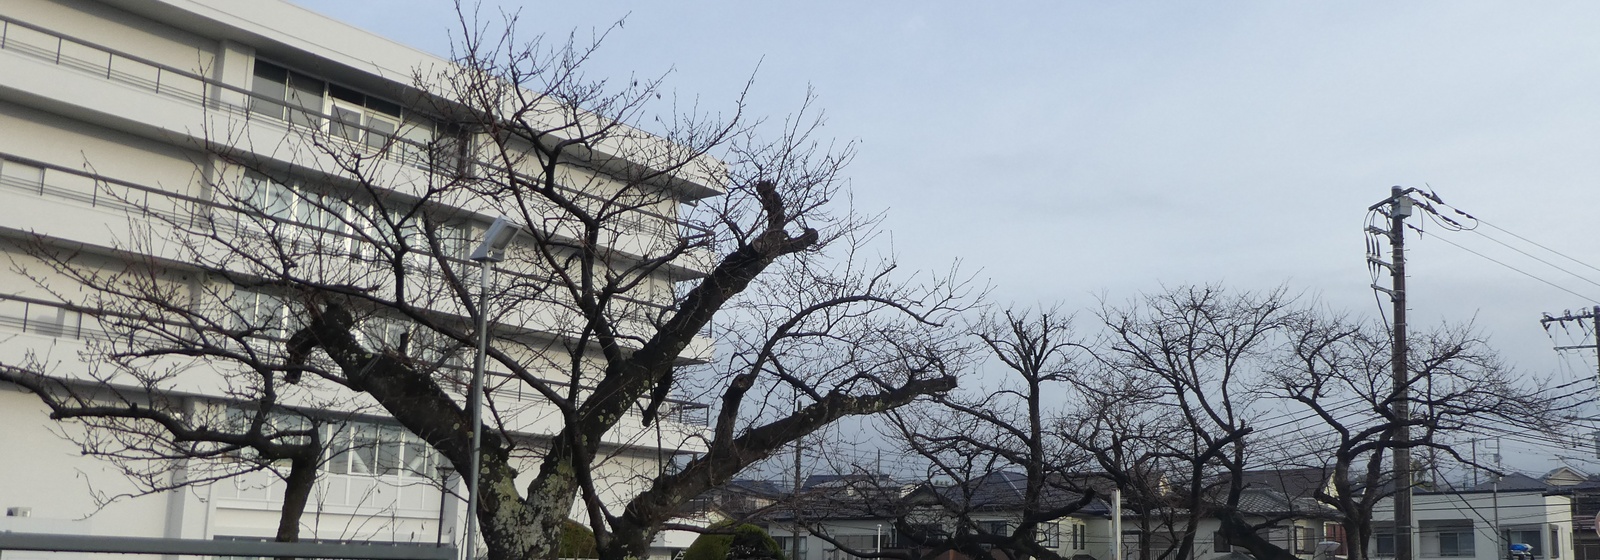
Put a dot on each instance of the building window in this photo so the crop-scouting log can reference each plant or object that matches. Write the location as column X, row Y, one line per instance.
column 1555, row 542
column 1456, row 541
column 1048, row 534
column 1334, row 532
column 1219, row 542
column 295, row 204
column 1080, row 536
column 1301, row 539
column 786, row 544
column 300, row 99
column 286, row 95
column 1383, row 544
column 263, row 314
column 379, row 450
column 857, row 543
column 993, row 528
column 1528, row 537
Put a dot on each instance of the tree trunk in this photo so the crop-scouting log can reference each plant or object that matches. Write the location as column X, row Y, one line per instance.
column 296, row 494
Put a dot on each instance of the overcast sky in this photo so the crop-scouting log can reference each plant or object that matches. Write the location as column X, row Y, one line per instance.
column 1065, row 150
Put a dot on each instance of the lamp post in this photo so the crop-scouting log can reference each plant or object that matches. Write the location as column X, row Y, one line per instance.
column 491, row 250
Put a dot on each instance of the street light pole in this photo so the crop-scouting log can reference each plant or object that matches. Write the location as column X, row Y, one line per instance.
column 488, row 252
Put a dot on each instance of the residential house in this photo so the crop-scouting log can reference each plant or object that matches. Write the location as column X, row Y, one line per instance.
column 867, row 513
column 1283, row 502
column 1483, row 522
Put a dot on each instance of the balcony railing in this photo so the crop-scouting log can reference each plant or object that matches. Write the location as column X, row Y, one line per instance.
column 94, row 59
column 98, row 191
column 61, row 320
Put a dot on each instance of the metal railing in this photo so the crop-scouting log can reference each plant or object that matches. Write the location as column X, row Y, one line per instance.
column 63, row 320
column 190, row 87
column 222, row 548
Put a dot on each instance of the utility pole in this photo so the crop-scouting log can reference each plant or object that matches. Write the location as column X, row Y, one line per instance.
column 1398, row 207
column 1593, row 316
column 794, row 497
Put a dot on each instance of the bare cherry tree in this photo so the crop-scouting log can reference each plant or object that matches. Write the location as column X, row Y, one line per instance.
column 999, row 476
column 1340, row 372
column 1200, row 351
column 330, row 262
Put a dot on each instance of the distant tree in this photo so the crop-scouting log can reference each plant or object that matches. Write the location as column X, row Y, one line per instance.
column 1199, row 351
column 996, row 446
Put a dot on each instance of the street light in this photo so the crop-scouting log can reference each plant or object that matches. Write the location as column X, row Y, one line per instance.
column 490, row 251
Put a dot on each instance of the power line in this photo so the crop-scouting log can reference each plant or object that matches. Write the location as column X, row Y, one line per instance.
column 1515, row 269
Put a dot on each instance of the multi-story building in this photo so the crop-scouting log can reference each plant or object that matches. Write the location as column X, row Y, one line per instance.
column 121, row 121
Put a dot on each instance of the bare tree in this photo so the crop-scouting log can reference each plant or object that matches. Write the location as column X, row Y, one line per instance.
column 1200, row 349
column 999, row 477
column 1119, row 425
column 1340, row 372
column 331, row 263
column 151, row 435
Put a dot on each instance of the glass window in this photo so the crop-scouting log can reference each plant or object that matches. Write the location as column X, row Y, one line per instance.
column 1302, row 540
column 1335, row 532
column 380, row 130
column 269, row 83
column 1048, row 534
column 388, row 455
column 1555, row 542
column 339, row 447
column 268, row 197
column 1528, row 537
column 346, row 123
column 1454, row 542
column 1219, row 542
column 305, row 100
column 1383, row 544
column 380, row 450
column 364, row 450
column 786, row 544
column 258, row 311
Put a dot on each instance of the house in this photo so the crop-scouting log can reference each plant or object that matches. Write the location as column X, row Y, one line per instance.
column 1483, row 522
column 1584, row 489
column 867, row 512
column 115, row 117
column 1284, row 501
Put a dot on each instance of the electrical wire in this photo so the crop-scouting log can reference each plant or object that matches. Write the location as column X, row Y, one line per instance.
column 1514, row 269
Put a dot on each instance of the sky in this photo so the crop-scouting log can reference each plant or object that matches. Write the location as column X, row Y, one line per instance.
column 1071, row 151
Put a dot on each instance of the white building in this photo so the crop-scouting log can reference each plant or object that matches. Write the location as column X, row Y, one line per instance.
column 1481, row 525
column 112, row 105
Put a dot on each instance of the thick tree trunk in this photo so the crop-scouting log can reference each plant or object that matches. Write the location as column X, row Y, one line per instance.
column 296, row 494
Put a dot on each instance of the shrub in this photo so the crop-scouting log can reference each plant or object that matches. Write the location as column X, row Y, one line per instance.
column 744, row 542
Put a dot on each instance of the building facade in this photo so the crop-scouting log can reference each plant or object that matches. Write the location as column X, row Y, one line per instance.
column 1482, row 524
column 128, row 125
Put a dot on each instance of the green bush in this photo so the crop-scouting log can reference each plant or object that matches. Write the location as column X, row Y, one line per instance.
column 577, row 541
column 744, row 542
